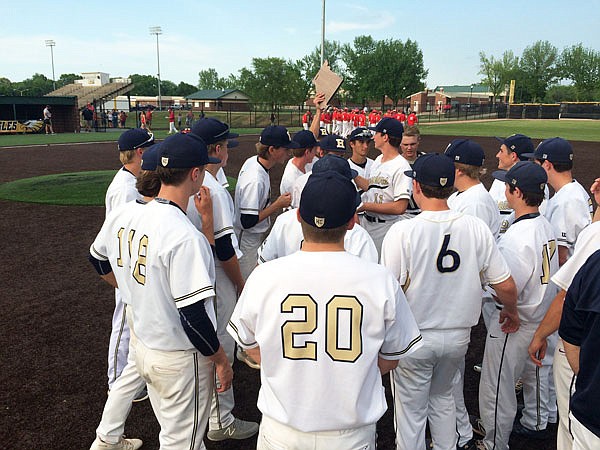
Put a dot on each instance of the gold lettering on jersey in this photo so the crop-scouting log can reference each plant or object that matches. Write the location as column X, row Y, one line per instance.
column 120, row 237
column 292, row 328
column 379, row 181
column 139, row 270
column 548, row 251
column 334, row 307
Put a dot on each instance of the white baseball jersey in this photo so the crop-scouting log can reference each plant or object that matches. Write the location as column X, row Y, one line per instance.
column 477, row 202
column 298, row 188
column 121, row 190
column 333, row 328
column 363, row 171
column 587, row 243
column 569, row 211
column 222, row 178
column 387, row 183
column 252, row 194
column 442, row 259
column 159, row 248
column 290, row 174
column 222, row 207
column 529, row 248
column 308, row 167
column 286, row 238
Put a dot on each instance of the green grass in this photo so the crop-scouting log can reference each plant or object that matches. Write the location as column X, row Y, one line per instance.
column 574, row 130
column 79, row 188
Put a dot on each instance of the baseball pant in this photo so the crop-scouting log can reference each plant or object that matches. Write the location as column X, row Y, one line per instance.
column 422, row 389
column 539, row 404
column 249, row 244
column 180, row 385
column 222, row 403
column 172, row 128
column 488, row 307
column 274, row 435
column 377, row 231
column 305, row 126
column 564, row 380
column 118, row 347
column 504, row 360
column 120, row 398
column 464, row 429
column 583, row 439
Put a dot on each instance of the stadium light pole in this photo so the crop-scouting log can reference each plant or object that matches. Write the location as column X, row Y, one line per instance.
column 50, row 43
column 323, row 34
column 157, row 31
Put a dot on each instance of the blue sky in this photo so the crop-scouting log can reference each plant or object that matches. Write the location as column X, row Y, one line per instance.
column 113, row 37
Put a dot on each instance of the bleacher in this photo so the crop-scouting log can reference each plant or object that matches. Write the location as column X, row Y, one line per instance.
column 87, row 94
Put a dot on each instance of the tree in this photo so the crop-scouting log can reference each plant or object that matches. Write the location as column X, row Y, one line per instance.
column 311, row 63
column 6, row 87
column 209, row 79
column 144, row 85
column 38, row 85
column 560, row 93
column 582, row 66
column 185, row 89
column 539, row 68
column 379, row 68
column 168, row 88
column 67, row 78
column 497, row 73
column 273, row 81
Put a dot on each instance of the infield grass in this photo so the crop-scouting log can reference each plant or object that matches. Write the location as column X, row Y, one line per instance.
column 75, row 189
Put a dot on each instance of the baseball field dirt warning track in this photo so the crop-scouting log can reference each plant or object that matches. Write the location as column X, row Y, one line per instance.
column 57, row 312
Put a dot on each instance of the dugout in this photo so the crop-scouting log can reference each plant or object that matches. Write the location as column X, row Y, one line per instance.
column 65, row 115
column 571, row 110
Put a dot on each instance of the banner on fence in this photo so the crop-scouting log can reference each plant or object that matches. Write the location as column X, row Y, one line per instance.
column 14, row 126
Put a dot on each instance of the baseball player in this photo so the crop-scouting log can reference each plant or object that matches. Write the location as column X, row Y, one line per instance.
column 580, row 331
column 588, row 242
column 109, row 434
column 359, row 141
column 253, row 206
column 471, row 196
column 173, row 315
column 305, row 120
column 122, row 190
column 409, row 146
column 529, row 247
column 570, row 210
column 388, row 191
column 338, row 327
column 229, row 282
column 286, row 236
column 442, row 278
column 302, row 156
column 334, row 144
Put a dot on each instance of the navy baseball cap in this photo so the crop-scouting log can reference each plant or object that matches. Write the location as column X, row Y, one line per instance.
column 335, row 163
column 360, row 133
column 135, row 138
column 518, row 143
column 184, row 151
column 433, row 169
column 390, row 126
column 332, row 210
column 150, row 158
column 212, row 130
column 305, row 139
column 323, row 132
column 465, row 151
column 333, row 143
column 277, row 136
column 526, row 175
column 555, row 150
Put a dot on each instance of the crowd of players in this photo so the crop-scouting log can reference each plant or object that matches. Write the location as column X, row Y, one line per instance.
column 371, row 267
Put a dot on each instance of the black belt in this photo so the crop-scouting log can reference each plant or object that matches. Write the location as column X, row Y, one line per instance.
column 374, row 219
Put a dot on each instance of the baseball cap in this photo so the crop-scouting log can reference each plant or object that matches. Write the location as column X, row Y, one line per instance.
column 135, row 138
column 323, row 132
column 389, row 125
column 184, row 151
column 433, row 169
column 150, row 158
column 333, row 143
column 332, row 210
column 305, row 139
column 335, row 163
column 518, row 143
column 555, row 150
column 526, row 175
column 212, row 130
column 465, row 151
column 277, row 136
column 360, row 133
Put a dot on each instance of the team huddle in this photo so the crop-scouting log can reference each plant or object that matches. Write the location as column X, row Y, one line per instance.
column 371, row 267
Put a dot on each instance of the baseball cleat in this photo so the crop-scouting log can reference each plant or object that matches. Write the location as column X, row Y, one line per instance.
column 520, row 430
column 123, row 444
column 478, row 427
column 239, row 429
column 519, row 386
column 243, row 356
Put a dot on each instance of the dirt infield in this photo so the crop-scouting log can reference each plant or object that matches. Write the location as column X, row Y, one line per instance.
column 57, row 312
